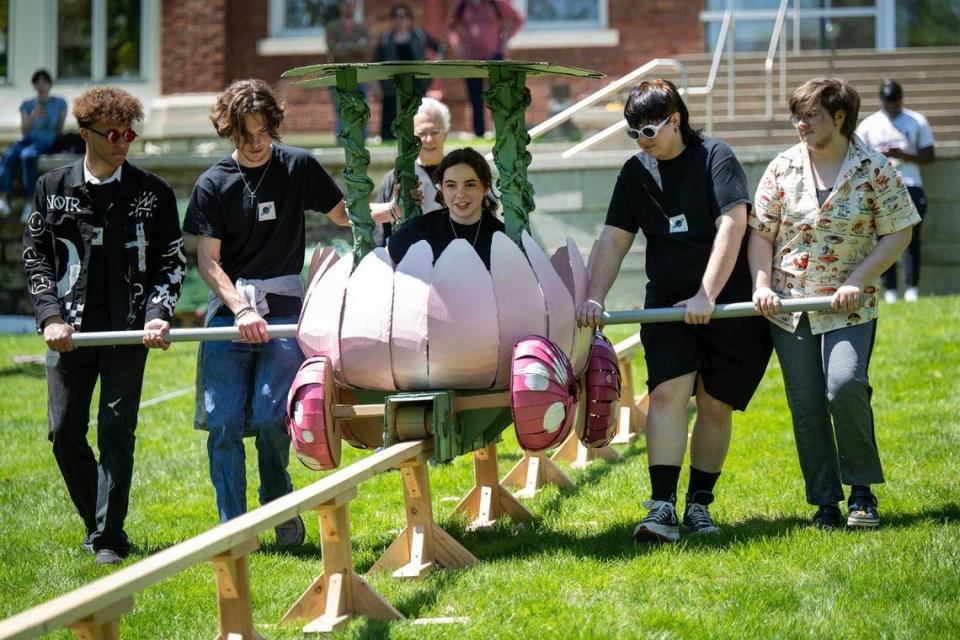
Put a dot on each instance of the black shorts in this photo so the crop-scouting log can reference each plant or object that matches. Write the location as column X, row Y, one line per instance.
column 729, row 355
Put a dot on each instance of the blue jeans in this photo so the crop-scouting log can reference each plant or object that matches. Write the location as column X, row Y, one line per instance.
column 248, row 383
column 24, row 152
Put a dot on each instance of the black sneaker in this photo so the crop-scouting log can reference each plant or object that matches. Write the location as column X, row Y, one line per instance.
column 697, row 519
column 291, row 533
column 660, row 525
column 108, row 556
column 828, row 516
column 862, row 511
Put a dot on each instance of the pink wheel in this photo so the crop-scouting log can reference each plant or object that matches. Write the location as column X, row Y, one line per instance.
column 601, row 394
column 543, row 393
column 310, row 416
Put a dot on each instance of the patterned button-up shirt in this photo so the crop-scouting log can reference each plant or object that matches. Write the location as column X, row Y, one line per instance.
column 816, row 248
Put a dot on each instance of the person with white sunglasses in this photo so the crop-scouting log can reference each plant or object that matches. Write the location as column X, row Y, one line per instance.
column 688, row 194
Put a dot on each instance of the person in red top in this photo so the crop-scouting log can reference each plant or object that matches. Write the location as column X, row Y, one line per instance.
column 479, row 30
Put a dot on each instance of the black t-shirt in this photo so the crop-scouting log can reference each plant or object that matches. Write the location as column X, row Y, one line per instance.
column 404, row 51
column 439, row 230
column 261, row 237
column 700, row 184
column 96, row 311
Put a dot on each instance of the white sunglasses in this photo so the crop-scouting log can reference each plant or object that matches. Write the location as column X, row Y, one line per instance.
column 648, row 131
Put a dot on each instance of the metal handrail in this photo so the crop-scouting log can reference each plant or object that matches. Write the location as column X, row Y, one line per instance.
column 775, row 39
column 707, row 90
column 558, row 119
column 725, row 27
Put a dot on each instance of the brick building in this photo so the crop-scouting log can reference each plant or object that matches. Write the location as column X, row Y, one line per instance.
column 199, row 46
column 164, row 48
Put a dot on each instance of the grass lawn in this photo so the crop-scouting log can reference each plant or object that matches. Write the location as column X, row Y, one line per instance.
column 575, row 571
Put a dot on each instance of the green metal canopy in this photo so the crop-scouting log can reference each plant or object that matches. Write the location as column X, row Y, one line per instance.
column 326, row 74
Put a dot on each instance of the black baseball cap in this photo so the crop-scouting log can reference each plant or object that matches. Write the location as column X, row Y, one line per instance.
column 891, row 91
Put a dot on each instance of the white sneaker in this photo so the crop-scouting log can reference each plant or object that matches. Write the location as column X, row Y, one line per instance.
column 911, row 294
column 890, row 296
column 4, row 207
column 660, row 525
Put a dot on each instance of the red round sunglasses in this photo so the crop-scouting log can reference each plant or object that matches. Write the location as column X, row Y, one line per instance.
column 113, row 136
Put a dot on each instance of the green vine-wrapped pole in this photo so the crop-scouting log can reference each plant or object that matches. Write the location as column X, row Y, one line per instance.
column 408, row 145
column 354, row 113
column 508, row 99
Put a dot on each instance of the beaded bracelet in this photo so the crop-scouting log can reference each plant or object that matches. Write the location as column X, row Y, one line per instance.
column 242, row 312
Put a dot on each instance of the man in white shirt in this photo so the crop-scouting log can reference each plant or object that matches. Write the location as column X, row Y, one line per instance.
column 905, row 137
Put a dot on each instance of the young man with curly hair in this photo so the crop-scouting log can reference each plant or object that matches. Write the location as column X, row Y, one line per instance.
column 103, row 252
column 247, row 212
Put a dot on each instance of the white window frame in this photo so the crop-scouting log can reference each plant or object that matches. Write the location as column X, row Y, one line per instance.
column 98, row 44
column 550, row 34
column 282, row 41
column 881, row 11
column 563, row 25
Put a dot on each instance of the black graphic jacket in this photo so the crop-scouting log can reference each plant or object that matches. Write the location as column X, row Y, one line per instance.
column 60, row 232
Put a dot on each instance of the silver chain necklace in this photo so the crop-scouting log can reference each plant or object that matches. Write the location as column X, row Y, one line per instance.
column 476, row 235
column 253, row 192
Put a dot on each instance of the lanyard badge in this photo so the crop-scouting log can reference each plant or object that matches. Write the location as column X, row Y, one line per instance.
column 678, row 224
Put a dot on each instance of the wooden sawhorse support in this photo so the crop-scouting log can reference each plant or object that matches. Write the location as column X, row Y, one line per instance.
column 104, row 624
column 578, row 456
column 339, row 594
column 536, row 470
column 633, row 410
column 422, row 545
column 489, row 500
column 233, row 591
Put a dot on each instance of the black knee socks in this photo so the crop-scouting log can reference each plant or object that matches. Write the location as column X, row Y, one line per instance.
column 663, row 482
column 700, row 489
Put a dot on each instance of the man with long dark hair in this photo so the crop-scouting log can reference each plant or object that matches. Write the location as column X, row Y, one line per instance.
column 247, row 212
column 688, row 194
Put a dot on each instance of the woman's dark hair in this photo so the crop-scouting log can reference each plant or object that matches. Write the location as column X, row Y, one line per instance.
column 832, row 94
column 400, row 6
column 651, row 101
column 241, row 98
column 41, row 74
column 475, row 161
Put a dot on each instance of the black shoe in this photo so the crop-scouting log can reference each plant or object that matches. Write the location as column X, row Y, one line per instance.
column 660, row 525
column 862, row 511
column 828, row 516
column 697, row 519
column 291, row 533
column 108, row 556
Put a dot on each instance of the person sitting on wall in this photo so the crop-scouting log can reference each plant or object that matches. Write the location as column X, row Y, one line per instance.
column 41, row 122
column 465, row 183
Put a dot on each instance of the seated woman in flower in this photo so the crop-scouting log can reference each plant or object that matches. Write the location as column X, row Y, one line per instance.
column 465, row 183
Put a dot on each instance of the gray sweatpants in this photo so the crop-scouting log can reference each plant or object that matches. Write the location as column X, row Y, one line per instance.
column 829, row 396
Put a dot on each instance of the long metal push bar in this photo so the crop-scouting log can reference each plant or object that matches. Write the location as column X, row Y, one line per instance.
column 638, row 316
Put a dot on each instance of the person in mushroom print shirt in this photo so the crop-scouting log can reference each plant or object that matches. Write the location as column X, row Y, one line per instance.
column 830, row 216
